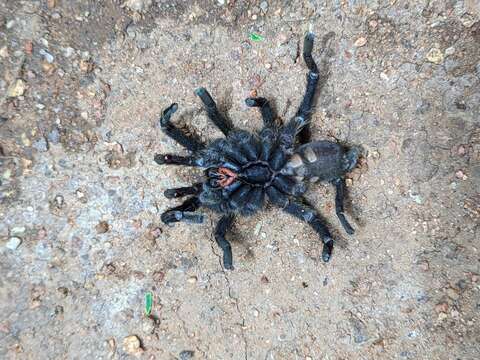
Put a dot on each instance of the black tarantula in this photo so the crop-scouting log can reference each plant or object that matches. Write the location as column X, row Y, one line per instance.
column 245, row 168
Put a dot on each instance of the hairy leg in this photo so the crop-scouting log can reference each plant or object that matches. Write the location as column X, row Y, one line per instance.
column 175, row 133
column 195, row 189
column 314, row 76
column 170, row 159
column 221, row 229
column 305, row 108
column 339, row 197
column 265, row 110
column 184, row 212
column 218, row 119
column 298, row 207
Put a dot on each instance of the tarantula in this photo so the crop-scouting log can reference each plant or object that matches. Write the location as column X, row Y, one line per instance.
column 245, row 168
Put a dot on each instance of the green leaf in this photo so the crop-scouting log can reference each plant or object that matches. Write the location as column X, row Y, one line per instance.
column 148, row 303
column 256, row 37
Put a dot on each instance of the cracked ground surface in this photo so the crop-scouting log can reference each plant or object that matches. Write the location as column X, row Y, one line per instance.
column 82, row 85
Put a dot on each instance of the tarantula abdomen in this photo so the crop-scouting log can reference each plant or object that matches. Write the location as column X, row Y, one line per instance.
column 321, row 161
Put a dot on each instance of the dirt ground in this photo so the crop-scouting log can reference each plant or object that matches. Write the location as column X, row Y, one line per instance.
column 82, row 84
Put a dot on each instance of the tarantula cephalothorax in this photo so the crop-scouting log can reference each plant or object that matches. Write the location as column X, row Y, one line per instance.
column 245, row 168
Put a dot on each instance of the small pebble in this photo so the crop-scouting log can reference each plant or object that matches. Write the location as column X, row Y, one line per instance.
column 148, row 325
column 7, row 174
column 192, row 280
column 63, row 291
column 435, row 56
column 460, row 175
column 13, row 243
column 361, row 41
column 25, row 140
column 47, row 56
column 449, row 51
column 373, row 24
column 452, row 294
column 48, row 68
column 256, row 231
column 138, row 5
column 102, row 227
column 86, row 66
column 4, row 52
column 137, row 223
column 59, row 201
column 264, row 6
column 467, row 20
column 442, row 316
column 68, row 51
column 412, row 334
column 28, row 47
column 80, row 194
column 112, row 344
column 54, row 136
column 41, row 144
column 17, row 88
column 186, row 354
column 158, row 276
column 132, row 345
column 416, row 198
column 156, row 232
column 18, row 230
column 384, row 76
column 461, row 150
column 424, row 265
column 441, row 307
column 268, row 66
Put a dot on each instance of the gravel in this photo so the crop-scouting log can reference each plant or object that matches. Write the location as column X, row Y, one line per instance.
column 13, row 243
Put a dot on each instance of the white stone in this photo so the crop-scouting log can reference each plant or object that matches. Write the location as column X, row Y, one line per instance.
column 13, row 243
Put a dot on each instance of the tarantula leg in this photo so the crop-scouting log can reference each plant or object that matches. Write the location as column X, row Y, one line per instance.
column 221, row 229
column 265, row 110
column 307, row 52
column 305, row 108
column 189, row 142
column 290, row 131
column 301, row 210
column 184, row 212
column 339, row 197
column 218, row 119
column 195, row 189
column 313, row 78
column 170, row 159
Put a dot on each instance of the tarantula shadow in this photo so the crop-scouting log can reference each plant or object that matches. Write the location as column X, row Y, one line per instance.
column 246, row 169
